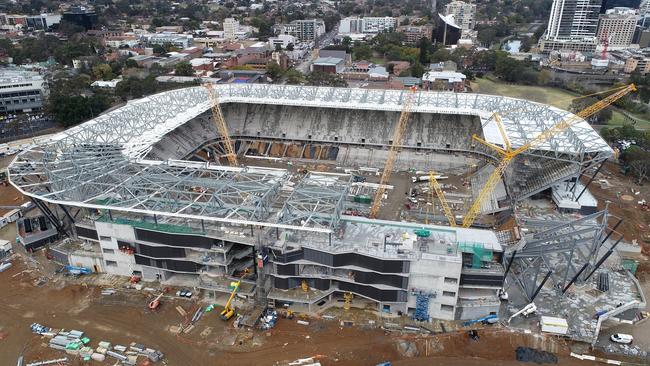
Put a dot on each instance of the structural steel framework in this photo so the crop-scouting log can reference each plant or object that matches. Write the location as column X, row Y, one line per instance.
column 559, row 251
column 100, row 164
column 317, row 201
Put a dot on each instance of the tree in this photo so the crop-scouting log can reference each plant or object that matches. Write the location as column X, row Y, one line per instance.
column 130, row 63
column 439, row 55
column 347, row 41
column 319, row 78
column 641, row 168
column 294, row 77
column 426, row 48
column 274, row 70
column 290, row 47
column 601, row 117
column 102, row 72
column 362, row 52
column 183, row 68
column 159, row 49
column 71, row 110
column 544, row 77
column 417, row 70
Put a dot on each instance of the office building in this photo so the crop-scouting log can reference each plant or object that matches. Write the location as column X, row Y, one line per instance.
column 81, row 16
column 21, row 91
column 572, row 25
column 617, row 27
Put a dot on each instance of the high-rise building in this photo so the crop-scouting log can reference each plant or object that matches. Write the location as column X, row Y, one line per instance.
column 573, row 19
column 617, row 27
column 352, row 25
column 464, row 14
column 304, row 29
column 230, row 28
column 572, row 25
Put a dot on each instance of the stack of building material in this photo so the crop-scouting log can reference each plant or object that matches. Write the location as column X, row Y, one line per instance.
column 72, row 342
column 150, row 353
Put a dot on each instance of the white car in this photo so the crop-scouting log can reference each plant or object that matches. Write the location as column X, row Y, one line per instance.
column 621, row 338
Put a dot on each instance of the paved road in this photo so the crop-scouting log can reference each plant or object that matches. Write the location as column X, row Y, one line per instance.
column 325, row 41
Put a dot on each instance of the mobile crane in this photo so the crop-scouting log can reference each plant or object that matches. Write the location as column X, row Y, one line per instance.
column 228, row 310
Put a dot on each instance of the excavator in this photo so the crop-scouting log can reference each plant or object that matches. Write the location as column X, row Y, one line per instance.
column 228, row 310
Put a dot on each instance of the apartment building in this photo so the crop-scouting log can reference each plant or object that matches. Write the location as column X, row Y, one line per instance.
column 305, row 30
column 367, row 25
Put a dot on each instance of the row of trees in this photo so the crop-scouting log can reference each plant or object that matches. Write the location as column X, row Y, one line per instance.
column 40, row 49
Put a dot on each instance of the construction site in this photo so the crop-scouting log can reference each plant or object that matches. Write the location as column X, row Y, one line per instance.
column 303, row 225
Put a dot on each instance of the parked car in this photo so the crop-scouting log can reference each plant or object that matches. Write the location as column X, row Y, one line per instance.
column 184, row 293
column 621, row 338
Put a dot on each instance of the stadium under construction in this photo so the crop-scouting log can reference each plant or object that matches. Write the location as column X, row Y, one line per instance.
column 146, row 189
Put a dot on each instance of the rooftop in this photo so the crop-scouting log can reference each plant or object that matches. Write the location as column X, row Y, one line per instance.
column 104, row 157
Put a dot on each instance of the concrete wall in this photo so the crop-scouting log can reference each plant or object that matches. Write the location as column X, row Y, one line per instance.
column 323, row 124
column 109, row 234
column 428, row 274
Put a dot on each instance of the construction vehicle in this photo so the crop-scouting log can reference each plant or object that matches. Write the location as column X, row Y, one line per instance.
column 220, row 122
column 525, row 311
column 228, row 310
column 392, row 154
column 77, row 271
column 490, row 319
column 508, row 154
column 155, row 303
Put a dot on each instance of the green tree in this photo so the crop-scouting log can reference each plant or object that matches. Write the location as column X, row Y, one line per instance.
column 159, row 49
column 318, row 78
column 183, row 68
column 362, row 52
column 417, row 70
column 426, row 48
column 347, row 41
column 103, row 72
column 274, row 70
column 294, row 77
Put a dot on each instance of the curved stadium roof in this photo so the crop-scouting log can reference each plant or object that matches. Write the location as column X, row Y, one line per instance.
column 100, row 163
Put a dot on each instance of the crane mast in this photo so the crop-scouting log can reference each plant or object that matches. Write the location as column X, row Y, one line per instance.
column 435, row 186
column 392, row 154
column 220, row 122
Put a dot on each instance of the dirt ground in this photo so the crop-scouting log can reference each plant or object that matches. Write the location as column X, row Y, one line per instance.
column 636, row 221
column 123, row 318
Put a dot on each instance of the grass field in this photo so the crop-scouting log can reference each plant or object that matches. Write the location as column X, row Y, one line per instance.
column 542, row 94
column 548, row 95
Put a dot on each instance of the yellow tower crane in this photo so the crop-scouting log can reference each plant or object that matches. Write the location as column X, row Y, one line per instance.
column 220, row 122
column 392, row 154
column 508, row 153
column 435, row 186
